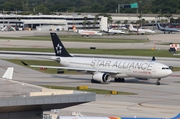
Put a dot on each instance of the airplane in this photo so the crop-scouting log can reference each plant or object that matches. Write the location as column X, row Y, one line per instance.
column 86, row 32
column 140, row 30
column 82, row 117
column 104, row 69
column 167, row 29
column 113, row 31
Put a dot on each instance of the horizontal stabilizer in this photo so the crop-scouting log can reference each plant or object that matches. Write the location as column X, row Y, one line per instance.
column 9, row 73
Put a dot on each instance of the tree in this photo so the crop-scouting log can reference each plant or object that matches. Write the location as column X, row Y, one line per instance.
column 84, row 24
column 85, row 21
column 41, row 9
column 89, row 24
column 140, row 19
column 168, row 16
column 146, row 22
column 118, row 22
column 178, row 11
column 95, row 21
column 153, row 21
column 159, row 16
column 125, row 21
column 143, row 22
column 172, row 20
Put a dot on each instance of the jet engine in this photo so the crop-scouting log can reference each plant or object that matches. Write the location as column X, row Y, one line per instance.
column 101, row 77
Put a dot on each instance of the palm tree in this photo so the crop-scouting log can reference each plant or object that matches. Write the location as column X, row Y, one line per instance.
column 118, row 22
column 159, row 16
column 125, row 21
column 89, row 24
column 168, row 16
column 95, row 21
column 84, row 22
column 140, row 18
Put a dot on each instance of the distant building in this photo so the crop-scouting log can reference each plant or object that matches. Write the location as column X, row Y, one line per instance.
column 53, row 22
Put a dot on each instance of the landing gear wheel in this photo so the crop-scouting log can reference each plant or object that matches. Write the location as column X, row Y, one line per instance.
column 158, row 81
column 94, row 81
column 119, row 80
column 116, row 80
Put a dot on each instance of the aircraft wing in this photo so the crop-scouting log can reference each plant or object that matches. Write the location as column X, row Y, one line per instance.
column 74, row 68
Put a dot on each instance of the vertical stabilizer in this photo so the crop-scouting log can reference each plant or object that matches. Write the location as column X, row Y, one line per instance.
column 159, row 26
column 59, row 48
column 9, row 73
column 131, row 27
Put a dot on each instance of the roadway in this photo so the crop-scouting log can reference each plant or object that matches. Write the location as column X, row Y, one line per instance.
column 151, row 100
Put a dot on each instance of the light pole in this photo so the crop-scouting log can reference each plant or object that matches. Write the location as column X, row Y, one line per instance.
column 119, row 8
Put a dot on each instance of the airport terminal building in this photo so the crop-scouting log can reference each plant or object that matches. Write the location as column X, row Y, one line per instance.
column 52, row 22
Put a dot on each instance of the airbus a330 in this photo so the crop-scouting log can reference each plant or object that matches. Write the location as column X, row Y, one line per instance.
column 104, row 69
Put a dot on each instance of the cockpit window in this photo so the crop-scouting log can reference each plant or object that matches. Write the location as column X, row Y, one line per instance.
column 165, row 68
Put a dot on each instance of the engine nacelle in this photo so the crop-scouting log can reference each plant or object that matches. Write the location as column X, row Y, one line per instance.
column 101, row 77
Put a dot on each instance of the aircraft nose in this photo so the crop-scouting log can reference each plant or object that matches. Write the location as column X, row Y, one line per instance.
column 169, row 72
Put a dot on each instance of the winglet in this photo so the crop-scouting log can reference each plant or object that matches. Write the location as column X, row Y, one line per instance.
column 9, row 73
column 24, row 63
column 176, row 117
column 153, row 58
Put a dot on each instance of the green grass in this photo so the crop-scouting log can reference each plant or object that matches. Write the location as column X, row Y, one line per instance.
column 176, row 69
column 130, row 52
column 78, row 39
column 97, row 91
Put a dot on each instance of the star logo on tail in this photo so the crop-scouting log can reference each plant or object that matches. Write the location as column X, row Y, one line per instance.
column 58, row 49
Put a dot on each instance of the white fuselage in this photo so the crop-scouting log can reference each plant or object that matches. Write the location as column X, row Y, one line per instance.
column 140, row 30
column 87, row 32
column 114, row 31
column 124, row 68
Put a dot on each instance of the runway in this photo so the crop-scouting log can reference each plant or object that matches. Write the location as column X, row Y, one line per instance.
column 150, row 100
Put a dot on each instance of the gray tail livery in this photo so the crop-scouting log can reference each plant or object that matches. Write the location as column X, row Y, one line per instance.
column 59, row 48
column 159, row 26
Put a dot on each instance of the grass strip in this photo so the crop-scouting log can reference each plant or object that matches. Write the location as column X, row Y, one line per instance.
column 97, row 91
column 127, row 52
column 78, row 39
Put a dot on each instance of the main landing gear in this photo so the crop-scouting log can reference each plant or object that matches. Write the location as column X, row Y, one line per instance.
column 94, row 81
column 119, row 80
column 158, row 81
